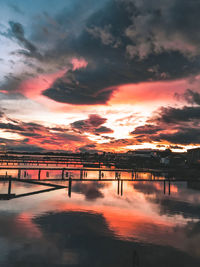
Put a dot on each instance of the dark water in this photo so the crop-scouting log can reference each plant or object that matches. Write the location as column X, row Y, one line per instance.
column 98, row 226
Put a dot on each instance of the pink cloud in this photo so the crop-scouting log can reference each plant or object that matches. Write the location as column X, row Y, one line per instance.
column 34, row 87
column 79, row 63
column 161, row 91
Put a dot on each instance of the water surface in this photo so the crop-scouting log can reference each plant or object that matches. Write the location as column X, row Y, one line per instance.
column 101, row 224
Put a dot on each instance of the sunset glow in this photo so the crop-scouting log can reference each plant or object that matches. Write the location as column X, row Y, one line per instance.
column 57, row 73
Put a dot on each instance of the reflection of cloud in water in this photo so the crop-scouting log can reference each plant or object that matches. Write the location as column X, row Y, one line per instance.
column 157, row 188
column 182, row 201
column 91, row 240
column 14, row 226
column 146, row 187
column 90, row 190
column 118, row 222
column 175, row 207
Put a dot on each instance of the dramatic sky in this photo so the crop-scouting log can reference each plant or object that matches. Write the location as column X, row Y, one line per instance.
column 91, row 75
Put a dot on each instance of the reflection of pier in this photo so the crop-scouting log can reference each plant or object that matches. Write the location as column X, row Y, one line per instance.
column 169, row 186
column 10, row 180
column 65, row 175
column 48, row 183
column 8, row 195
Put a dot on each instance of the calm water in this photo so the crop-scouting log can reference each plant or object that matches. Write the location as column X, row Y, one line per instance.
column 98, row 226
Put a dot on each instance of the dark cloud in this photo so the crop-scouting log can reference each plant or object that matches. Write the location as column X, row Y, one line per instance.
column 174, row 125
column 45, row 138
column 147, row 129
column 89, row 148
column 10, row 126
column 20, row 145
column 123, row 41
column 182, row 136
column 103, row 129
column 17, row 31
column 11, row 83
column 81, row 90
column 121, row 47
column 192, row 97
column 91, row 125
column 1, row 113
column 173, row 115
column 164, row 25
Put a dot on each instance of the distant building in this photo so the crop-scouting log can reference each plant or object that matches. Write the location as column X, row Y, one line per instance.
column 165, row 161
column 193, row 156
column 143, row 153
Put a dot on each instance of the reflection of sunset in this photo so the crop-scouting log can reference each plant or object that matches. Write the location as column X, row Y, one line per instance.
column 127, row 217
column 25, row 224
column 133, row 216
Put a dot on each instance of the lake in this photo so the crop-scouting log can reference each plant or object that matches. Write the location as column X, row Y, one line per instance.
column 100, row 223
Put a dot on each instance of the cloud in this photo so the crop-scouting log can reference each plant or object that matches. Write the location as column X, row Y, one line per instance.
column 147, row 129
column 168, row 25
column 36, row 137
column 121, row 46
column 173, row 115
column 89, row 148
column 173, row 125
column 121, row 41
column 103, row 34
column 17, row 31
column 91, row 125
column 103, row 129
column 10, row 126
column 192, row 97
column 182, row 136
column 79, row 87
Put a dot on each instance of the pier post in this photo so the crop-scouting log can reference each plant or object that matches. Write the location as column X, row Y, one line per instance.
column 132, row 175
column 169, row 185
column 99, row 175
column 39, row 172
column 81, row 174
column 9, row 186
column 164, row 187
column 63, row 172
column 19, row 174
column 121, row 187
column 118, row 182
column 70, row 187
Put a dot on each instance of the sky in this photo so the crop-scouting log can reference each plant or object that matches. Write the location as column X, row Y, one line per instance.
column 109, row 75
